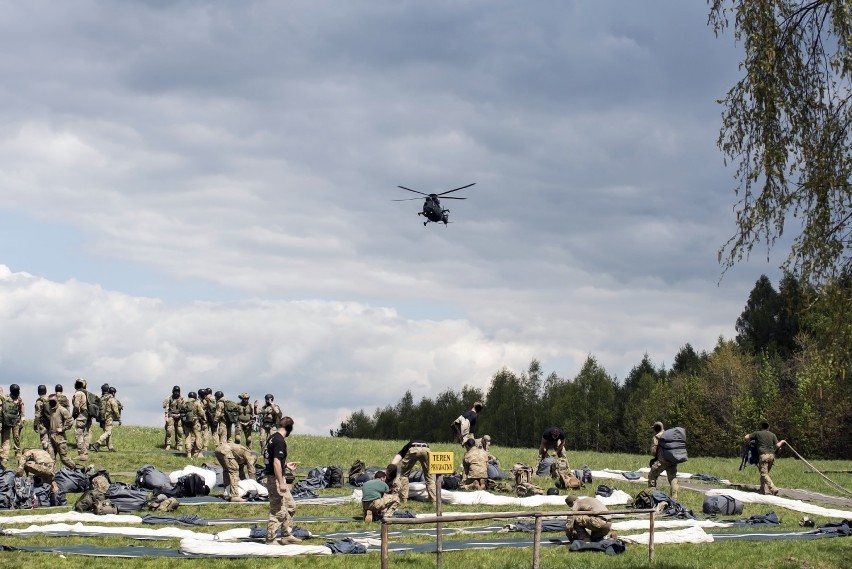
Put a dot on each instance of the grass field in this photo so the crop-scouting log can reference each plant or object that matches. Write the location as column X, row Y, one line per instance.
column 140, row 445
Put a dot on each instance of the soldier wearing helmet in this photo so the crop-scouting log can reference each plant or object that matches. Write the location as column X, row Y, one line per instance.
column 82, row 419
column 245, row 420
column 191, row 410
column 13, row 421
column 223, row 431
column 41, row 419
column 61, row 398
column 111, row 413
column 171, row 409
column 270, row 414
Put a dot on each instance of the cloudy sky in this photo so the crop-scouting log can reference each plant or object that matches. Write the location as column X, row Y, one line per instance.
column 199, row 194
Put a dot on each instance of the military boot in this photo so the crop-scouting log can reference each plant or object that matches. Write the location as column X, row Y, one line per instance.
column 95, row 447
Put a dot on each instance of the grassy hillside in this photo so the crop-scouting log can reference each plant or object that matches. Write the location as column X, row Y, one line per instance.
column 142, row 445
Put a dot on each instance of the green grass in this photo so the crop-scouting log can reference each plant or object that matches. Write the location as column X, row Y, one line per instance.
column 142, row 445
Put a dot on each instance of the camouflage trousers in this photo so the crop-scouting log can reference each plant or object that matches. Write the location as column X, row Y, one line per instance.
column 59, row 447
column 225, row 435
column 243, row 431
column 382, row 507
column 587, row 528
column 16, row 438
column 174, row 430
column 282, row 507
column 44, row 438
column 265, row 433
column 418, row 455
column 5, row 443
column 764, row 465
column 657, row 469
column 106, row 437
column 205, row 435
column 192, row 436
column 234, row 471
column 83, row 436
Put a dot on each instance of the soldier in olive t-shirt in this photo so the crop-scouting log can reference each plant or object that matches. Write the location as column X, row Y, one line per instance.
column 767, row 444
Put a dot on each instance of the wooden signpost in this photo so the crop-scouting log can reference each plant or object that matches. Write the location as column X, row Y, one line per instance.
column 440, row 463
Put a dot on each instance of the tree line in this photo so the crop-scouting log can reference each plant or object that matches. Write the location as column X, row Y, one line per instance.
column 789, row 364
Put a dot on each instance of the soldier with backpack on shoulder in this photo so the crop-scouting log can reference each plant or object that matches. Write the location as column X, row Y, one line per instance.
column 84, row 409
column 14, row 416
column 245, row 420
column 190, row 411
column 41, row 419
column 668, row 449
column 270, row 414
column 109, row 414
column 59, row 422
column 171, row 408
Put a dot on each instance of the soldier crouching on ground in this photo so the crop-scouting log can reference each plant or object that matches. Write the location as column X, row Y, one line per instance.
column 475, row 464
column 39, row 463
column 591, row 527
column 377, row 500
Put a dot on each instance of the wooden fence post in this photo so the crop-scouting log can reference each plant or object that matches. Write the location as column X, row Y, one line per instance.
column 537, row 543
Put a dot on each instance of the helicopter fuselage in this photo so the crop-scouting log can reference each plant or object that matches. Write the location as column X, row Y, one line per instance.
column 433, row 211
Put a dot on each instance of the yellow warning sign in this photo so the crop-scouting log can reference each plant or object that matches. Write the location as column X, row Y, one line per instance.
column 441, row 463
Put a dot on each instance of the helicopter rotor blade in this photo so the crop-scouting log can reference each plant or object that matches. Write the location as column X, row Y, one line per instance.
column 452, row 198
column 410, row 190
column 457, row 189
column 407, row 200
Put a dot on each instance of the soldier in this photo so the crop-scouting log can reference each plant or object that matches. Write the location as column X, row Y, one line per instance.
column 189, row 412
column 20, row 413
column 377, row 500
column 587, row 527
column 270, row 414
column 767, row 445
column 60, row 421
column 113, row 392
column 224, row 429
column 202, row 421
column 61, row 397
column 245, row 420
column 210, row 411
column 465, row 425
column 414, row 452
column 658, row 465
column 552, row 439
column 37, row 462
column 281, row 503
column 475, row 464
column 82, row 420
column 41, row 419
column 171, row 408
column 110, row 413
column 238, row 464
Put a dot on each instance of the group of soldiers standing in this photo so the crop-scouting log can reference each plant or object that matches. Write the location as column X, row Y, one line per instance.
column 205, row 416
column 54, row 415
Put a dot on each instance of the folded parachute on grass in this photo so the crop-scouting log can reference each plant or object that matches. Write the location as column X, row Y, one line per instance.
column 795, row 505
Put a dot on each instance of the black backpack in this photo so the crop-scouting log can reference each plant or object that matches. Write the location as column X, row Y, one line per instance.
column 450, row 482
column 191, row 485
column 72, row 480
column 149, row 478
column 720, row 504
column 93, row 406
column 334, row 477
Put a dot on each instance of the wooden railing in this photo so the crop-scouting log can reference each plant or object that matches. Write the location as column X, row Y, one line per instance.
column 440, row 520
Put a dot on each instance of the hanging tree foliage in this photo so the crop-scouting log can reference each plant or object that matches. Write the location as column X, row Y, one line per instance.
column 786, row 127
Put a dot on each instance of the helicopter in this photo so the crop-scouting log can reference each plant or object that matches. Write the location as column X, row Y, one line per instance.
column 432, row 209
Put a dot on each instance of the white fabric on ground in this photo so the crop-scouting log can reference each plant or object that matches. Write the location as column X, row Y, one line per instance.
column 246, row 486
column 189, row 546
column 646, row 470
column 129, row 532
column 417, row 491
column 71, row 517
column 645, row 524
column 795, row 505
column 688, row 535
column 611, row 474
column 208, row 475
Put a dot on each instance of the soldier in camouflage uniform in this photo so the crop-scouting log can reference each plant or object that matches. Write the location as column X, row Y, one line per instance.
column 270, row 414
column 238, row 464
column 15, row 397
column 475, row 464
column 171, row 409
column 587, row 528
column 209, row 402
column 41, row 420
column 203, row 423
column 245, row 421
column 222, row 430
column 37, row 462
column 189, row 416
column 60, row 421
column 110, row 414
column 767, row 445
column 82, row 421
column 658, row 465
column 113, row 392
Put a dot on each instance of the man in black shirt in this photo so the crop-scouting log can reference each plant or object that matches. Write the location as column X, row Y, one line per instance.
column 281, row 503
column 552, row 439
column 465, row 425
